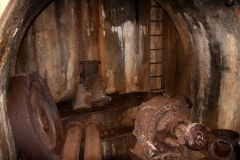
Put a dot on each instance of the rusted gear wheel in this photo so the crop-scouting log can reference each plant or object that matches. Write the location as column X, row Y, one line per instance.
column 36, row 125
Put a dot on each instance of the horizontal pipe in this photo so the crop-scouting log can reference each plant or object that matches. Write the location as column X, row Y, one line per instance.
column 71, row 148
column 93, row 150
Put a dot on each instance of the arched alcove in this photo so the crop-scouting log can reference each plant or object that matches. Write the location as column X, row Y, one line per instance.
column 15, row 18
column 209, row 62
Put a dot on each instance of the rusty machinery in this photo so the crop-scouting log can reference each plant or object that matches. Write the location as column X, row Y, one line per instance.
column 164, row 132
column 37, row 127
column 71, row 148
column 92, row 150
column 162, row 128
column 92, row 83
column 96, row 86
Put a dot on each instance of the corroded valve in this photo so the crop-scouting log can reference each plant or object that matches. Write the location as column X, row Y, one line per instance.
column 163, row 130
column 96, row 86
column 93, row 84
column 161, row 126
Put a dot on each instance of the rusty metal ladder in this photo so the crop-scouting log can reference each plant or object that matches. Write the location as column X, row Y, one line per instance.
column 155, row 47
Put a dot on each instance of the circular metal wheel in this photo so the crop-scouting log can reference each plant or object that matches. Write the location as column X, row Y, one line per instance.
column 36, row 125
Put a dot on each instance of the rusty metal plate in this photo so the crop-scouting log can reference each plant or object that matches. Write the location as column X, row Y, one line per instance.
column 35, row 122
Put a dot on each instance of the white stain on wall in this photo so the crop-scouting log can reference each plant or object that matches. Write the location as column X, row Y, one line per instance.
column 130, row 52
column 127, row 35
column 119, row 31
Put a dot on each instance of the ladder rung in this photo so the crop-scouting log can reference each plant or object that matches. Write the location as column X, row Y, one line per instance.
column 160, row 35
column 156, row 62
column 156, row 52
column 156, row 21
column 156, row 76
column 157, row 89
column 156, row 49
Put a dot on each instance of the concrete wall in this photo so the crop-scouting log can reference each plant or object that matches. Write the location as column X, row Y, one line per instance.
column 113, row 31
column 210, row 32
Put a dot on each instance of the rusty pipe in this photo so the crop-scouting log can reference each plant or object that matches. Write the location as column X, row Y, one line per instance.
column 97, row 87
column 71, row 148
column 93, row 148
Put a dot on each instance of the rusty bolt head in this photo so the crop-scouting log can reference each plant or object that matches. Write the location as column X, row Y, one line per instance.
column 196, row 136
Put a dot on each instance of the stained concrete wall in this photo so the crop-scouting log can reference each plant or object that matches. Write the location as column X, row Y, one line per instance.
column 210, row 32
column 66, row 32
column 51, row 48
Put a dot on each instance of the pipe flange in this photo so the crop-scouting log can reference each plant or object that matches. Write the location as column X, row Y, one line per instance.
column 196, row 136
column 221, row 149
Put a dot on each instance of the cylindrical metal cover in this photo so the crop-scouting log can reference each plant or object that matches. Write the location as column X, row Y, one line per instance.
column 35, row 122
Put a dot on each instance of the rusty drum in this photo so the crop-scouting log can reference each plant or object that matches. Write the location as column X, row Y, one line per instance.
column 35, row 122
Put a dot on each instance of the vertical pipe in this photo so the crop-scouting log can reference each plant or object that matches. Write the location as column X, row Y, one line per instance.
column 71, row 148
column 92, row 149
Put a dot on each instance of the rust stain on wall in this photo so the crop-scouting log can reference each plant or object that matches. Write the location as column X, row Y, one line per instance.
column 50, row 48
column 66, row 32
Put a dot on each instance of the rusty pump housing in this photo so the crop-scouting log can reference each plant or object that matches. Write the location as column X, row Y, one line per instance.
column 163, row 130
